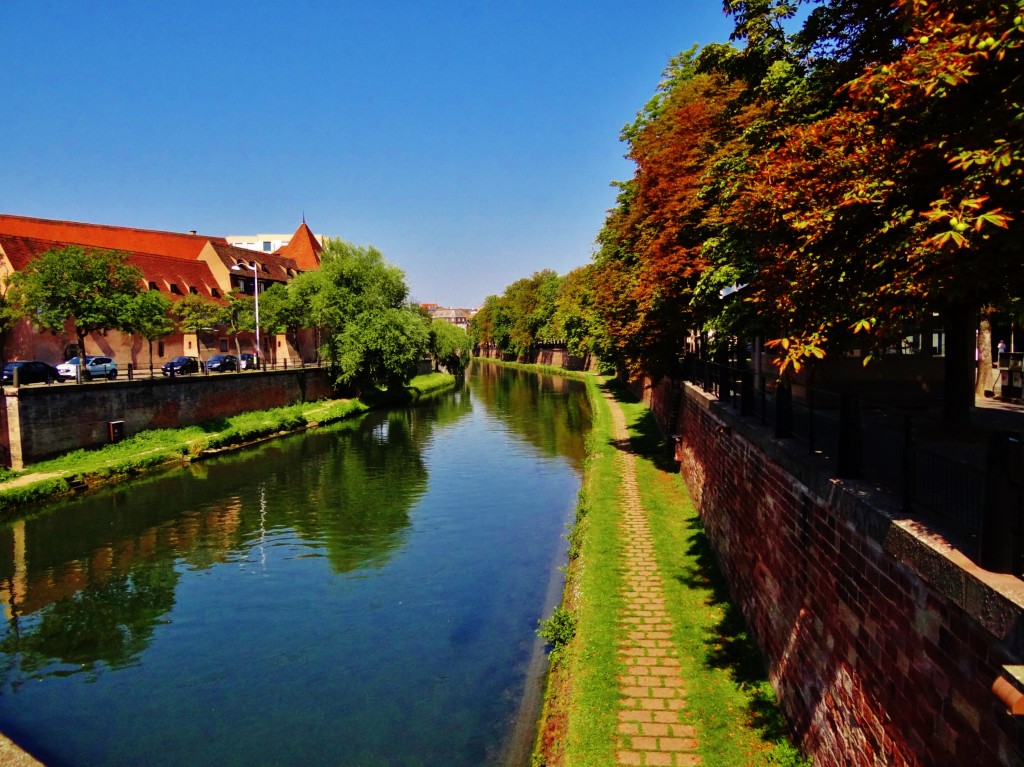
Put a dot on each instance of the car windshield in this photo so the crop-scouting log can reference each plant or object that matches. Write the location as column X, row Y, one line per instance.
column 181, row 359
column 12, row 365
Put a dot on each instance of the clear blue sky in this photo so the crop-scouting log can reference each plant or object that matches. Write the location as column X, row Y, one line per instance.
column 473, row 143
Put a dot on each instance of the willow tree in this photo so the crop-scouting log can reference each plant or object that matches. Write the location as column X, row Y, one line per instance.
column 370, row 335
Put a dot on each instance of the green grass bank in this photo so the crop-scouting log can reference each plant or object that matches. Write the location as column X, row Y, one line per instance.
column 159, row 448
column 730, row 702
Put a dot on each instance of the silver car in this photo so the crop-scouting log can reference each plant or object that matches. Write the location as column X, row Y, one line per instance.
column 98, row 367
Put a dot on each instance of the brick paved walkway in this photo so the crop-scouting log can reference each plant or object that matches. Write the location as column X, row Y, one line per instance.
column 651, row 729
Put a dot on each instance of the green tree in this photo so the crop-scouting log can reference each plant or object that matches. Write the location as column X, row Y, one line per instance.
column 576, row 319
column 238, row 315
column 92, row 288
column 149, row 316
column 450, row 346
column 369, row 334
column 196, row 314
column 9, row 316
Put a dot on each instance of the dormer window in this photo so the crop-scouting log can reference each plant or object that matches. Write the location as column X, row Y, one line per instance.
column 153, row 286
column 175, row 289
column 214, row 292
column 192, row 290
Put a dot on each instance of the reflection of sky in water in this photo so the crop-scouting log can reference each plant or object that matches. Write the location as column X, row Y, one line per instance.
column 359, row 595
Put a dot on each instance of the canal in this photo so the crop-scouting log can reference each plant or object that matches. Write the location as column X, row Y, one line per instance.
column 363, row 594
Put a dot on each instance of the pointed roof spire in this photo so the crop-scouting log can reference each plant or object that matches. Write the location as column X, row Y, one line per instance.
column 303, row 248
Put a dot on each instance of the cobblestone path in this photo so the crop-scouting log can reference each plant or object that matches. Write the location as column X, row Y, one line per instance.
column 653, row 694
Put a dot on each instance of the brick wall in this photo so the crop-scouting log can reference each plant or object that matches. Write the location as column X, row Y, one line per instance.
column 882, row 641
column 44, row 421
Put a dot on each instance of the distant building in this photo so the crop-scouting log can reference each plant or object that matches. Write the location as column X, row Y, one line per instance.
column 458, row 317
column 173, row 263
column 268, row 243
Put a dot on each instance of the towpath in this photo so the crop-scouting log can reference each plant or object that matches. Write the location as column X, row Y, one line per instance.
column 651, row 728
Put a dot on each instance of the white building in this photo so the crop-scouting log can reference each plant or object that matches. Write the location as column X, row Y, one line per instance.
column 267, row 243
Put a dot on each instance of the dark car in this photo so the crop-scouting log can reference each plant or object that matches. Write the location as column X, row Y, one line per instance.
column 30, row 371
column 248, row 361
column 222, row 363
column 182, row 366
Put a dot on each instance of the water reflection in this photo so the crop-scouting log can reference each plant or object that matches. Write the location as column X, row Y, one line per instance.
column 371, row 589
column 87, row 582
column 534, row 406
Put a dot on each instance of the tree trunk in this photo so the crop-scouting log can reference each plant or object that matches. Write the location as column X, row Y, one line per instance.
column 961, row 322
column 83, row 372
column 983, row 383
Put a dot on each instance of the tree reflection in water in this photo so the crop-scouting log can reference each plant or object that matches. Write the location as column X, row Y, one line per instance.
column 85, row 584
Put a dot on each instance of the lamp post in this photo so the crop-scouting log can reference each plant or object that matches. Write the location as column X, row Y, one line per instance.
column 256, row 296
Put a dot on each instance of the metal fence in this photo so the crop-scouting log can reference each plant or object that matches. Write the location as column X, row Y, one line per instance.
column 974, row 490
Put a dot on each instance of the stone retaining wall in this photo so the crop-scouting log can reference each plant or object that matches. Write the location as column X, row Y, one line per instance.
column 882, row 641
column 39, row 422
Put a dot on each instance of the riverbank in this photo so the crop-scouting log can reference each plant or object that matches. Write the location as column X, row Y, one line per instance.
column 643, row 591
column 84, row 470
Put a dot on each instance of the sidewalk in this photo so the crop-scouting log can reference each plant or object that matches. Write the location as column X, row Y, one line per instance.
column 651, row 730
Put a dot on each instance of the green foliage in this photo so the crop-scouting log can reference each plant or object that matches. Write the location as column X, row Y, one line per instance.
column 280, row 310
column 522, row 317
column 196, row 314
column 558, row 630
column 92, row 288
column 450, row 346
column 370, row 335
column 149, row 316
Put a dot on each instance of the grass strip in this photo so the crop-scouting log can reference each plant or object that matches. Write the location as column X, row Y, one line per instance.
column 595, row 591
column 729, row 698
column 159, row 447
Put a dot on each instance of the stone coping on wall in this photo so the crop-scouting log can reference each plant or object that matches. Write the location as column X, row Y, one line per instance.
column 994, row 600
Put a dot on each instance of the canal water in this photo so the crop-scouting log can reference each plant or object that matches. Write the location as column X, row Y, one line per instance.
column 363, row 594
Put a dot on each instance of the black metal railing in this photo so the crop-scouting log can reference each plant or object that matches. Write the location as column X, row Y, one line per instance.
column 977, row 494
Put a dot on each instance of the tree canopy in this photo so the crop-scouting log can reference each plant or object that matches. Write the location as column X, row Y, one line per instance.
column 370, row 334
column 92, row 288
column 823, row 186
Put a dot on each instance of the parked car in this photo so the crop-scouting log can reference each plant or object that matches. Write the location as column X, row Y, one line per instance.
column 98, row 367
column 182, row 366
column 248, row 361
column 222, row 363
column 29, row 371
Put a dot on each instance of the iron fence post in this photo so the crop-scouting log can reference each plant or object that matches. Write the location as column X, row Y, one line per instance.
column 783, row 410
column 850, row 461
column 747, row 393
column 810, row 421
column 909, row 479
column 1000, row 545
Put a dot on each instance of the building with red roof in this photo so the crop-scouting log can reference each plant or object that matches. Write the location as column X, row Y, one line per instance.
column 173, row 263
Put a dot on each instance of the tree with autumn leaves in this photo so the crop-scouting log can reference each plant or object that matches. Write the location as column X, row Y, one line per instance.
column 847, row 180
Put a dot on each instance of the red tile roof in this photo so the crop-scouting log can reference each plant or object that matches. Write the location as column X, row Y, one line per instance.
column 164, row 271
column 171, row 244
column 185, row 275
column 272, row 266
column 21, row 250
column 303, row 248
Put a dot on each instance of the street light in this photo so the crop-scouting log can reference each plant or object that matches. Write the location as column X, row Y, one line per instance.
column 256, row 295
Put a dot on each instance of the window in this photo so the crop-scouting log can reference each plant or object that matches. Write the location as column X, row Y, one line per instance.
column 153, row 285
column 159, row 348
column 175, row 289
column 223, row 344
column 214, row 292
column 192, row 290
column 266, row 246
